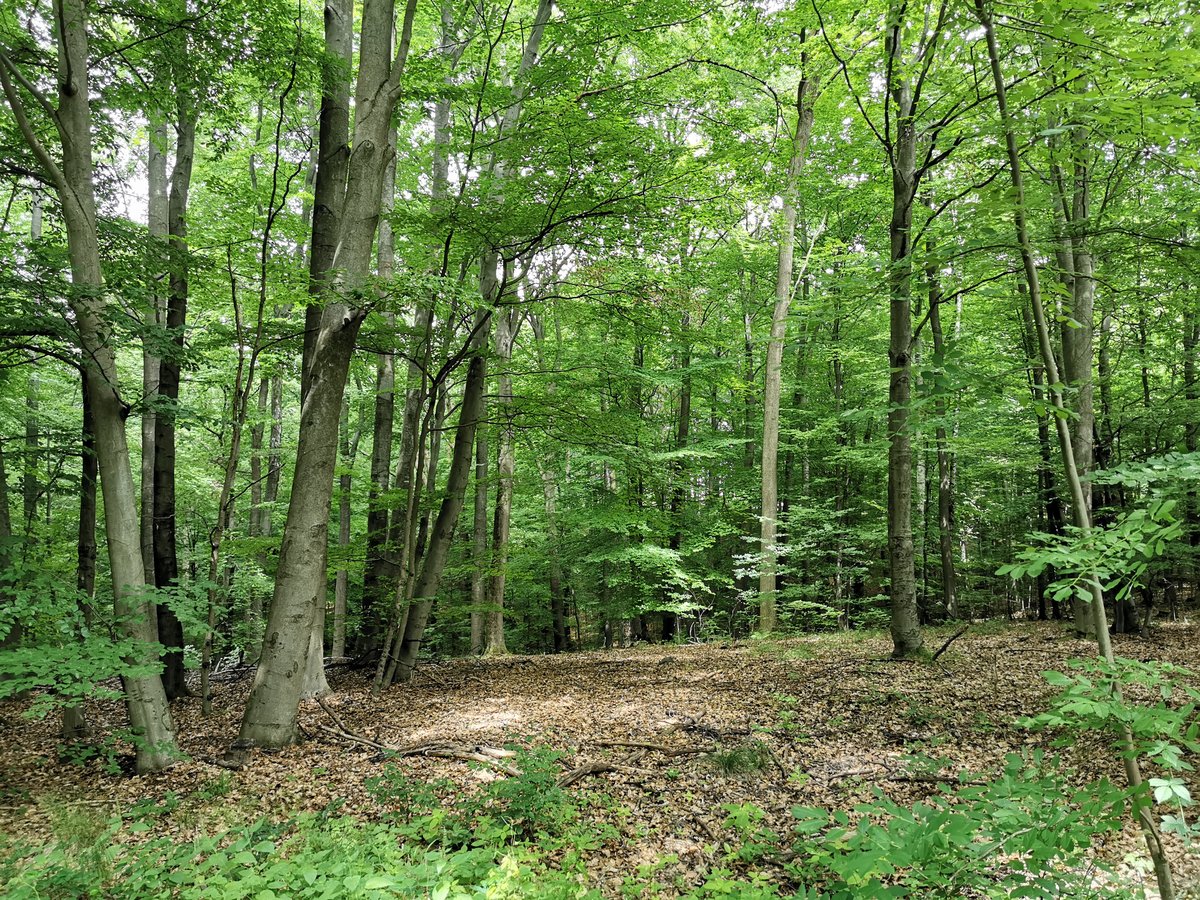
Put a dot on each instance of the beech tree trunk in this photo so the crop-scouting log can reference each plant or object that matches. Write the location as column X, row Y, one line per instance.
column 508, row 322
column 768, row 619
column 479, row 547
column 155, row 320
column 149, row 714
column 292, row 639
column 74, row 720
column 426, row 585
column 1078, row 353
column 945, row 463
column 906, row 632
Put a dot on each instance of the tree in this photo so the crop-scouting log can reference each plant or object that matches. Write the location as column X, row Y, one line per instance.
column 71, row 175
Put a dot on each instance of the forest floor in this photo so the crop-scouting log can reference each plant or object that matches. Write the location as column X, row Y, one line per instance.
column 838, row 718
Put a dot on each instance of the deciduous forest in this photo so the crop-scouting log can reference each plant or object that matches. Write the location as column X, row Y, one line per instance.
column 577, row 448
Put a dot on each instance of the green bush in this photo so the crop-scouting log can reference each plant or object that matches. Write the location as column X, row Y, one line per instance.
column 317, row 857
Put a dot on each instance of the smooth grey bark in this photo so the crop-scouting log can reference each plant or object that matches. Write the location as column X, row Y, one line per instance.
column 479, row 534
column 379, row 569
column 1129, row 753
column 155, row 319
column 72, row 177
column 290, row 651
column 341, row 589
column 768, row 619
column 1078, row 350
column 508, row 322
column 905, row 622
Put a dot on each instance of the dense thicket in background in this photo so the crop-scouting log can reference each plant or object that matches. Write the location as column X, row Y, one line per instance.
column 514, row 327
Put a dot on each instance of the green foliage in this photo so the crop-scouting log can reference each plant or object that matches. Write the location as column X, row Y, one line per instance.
column 315, row 856
column 507, row 810
column 1119, row 555
column 61, row 656
column 1023, row 834
column 1146, row 701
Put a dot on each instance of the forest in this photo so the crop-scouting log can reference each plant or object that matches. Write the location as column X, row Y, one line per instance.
column 578, row 448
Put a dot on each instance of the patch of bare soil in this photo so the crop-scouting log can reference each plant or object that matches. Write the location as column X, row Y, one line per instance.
column 648, row 728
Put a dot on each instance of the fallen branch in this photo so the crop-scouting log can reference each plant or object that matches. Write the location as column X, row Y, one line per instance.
column 950, row 640
column 659, row 748
column 488, row 756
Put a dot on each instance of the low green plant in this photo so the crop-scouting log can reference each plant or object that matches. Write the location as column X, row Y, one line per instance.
column 1158, row 710
column 1024, row 834
column 752, row 838
column 744, row 759
column 308, row 857
column 507, row 810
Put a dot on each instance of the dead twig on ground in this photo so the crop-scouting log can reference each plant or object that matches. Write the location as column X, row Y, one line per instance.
column 950, row 640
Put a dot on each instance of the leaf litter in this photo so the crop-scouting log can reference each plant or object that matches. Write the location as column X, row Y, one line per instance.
column 661, row 738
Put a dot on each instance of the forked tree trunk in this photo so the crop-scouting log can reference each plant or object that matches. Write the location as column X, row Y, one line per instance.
column 290, row 647
column 149, row 713
column 1075, row 259
column 426, row 585
column 1129, row 754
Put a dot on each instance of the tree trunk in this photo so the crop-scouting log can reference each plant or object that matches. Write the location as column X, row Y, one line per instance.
column 1077, row 340
column 149, row 713
column 906, row 633
column 508, row 322
column 349, row 451
column 479, row 548
column 30, row 488
column 166, row 558
column 768, row 619
column 155, row 320
column 74, row 721
column 1191, row 428
column 670, row 619
column 290, row 645
column 426, row 585
column 379, row 570
column 1129, row 754
column 945, row 464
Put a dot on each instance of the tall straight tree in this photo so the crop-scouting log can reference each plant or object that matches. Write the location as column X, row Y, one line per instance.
column 806, row 94
column 71, row 175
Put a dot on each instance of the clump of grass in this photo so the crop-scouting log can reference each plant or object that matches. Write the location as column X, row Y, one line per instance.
column 744, row 759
